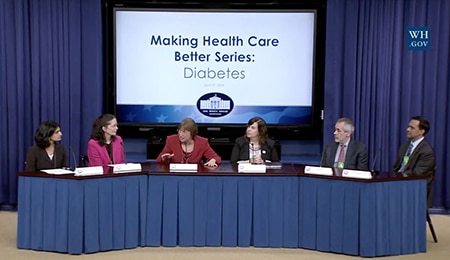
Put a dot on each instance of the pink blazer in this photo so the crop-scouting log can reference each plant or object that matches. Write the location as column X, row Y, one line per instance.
column 98, row 155
column 202, row 150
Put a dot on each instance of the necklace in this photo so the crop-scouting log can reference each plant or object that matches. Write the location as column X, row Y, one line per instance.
column 187, row 153
column 50, row 150
column 254, row 145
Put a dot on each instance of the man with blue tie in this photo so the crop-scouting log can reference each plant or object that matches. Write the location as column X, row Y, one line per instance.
column 416, row 156
column 344, row 152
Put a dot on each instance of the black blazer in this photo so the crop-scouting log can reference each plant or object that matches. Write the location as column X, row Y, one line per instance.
column 241, row 151
column 421, row 162
column 356, row 157
column 37, row 159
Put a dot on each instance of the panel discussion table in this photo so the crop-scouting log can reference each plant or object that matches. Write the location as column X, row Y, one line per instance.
column 283, row 208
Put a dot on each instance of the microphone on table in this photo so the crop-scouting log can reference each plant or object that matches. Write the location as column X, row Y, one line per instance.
column 74, row 159
column 372, row 169
column 321, row 157
column 252, row 153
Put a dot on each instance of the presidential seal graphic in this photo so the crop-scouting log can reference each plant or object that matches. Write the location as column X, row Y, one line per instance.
column 215, row 104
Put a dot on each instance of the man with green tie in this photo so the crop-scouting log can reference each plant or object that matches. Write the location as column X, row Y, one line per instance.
column 416, row 156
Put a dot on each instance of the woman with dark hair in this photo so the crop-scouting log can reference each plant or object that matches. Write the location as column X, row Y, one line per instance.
column 105, row 146
column 188, row 147
column 47, row 153
column 255, row 146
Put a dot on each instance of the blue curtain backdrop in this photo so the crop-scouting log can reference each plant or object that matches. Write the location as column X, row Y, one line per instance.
column 374, row 79
column 51, row 68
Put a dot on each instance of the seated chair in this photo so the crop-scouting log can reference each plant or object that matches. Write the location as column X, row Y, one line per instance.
column 430, row 225
column 84, row 160
column 429, row 205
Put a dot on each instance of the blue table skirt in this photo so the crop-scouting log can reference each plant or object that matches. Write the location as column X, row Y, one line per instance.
column 355, row 218
column 73, row 216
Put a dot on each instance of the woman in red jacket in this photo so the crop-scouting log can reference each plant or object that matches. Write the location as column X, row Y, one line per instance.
column 188, row 147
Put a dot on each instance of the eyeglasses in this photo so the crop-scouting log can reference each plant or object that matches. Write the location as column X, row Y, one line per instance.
column 182, row 131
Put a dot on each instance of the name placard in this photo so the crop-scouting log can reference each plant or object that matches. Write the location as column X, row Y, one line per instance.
column 58, row 171
column 183, row 167
column 126, row 167
column 357, row 174
column 89, row 171
column 251, row 168
column 318, row 170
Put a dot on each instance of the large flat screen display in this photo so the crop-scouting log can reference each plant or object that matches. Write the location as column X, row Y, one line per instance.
column 219, row 67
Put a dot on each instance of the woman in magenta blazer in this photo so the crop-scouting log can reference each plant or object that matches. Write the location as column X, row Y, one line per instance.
column 105, row 146
column 188, row 147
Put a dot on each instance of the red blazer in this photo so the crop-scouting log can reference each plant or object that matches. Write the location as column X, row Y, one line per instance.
column 202, row 150
column 98, row 155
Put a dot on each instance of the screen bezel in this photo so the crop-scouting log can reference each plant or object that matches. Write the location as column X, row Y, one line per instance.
column 213, row 129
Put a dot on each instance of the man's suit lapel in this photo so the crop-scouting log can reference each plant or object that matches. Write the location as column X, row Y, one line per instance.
column 414, row 155
column 404, row 148
column 333, row 153
column 348, row 153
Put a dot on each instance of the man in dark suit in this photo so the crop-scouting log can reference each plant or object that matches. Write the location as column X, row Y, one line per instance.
column 416, row 156
column 345, row 152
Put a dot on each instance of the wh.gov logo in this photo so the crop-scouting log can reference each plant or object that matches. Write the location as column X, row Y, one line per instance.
column 418, row 38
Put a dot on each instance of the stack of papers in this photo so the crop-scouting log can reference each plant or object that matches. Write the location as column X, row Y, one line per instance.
column 273, row 165
column 268, row 164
